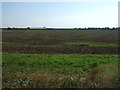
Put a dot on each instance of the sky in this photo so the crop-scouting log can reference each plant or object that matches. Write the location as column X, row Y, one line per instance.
column 60, row 14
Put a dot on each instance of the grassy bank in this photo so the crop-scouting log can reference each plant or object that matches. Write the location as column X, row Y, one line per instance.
column 59, row 70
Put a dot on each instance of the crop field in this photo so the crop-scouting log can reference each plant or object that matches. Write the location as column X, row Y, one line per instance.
column 60, row 58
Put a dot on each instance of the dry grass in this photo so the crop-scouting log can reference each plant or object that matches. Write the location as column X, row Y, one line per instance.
column 42, row 79
column 104, row 76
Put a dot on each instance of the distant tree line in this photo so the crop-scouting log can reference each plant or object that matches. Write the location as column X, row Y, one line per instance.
column 44, row 28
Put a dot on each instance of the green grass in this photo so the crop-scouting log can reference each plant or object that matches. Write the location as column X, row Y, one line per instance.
column 93, row 44
column 59, row 70
column 8, row 43
column 65, row 63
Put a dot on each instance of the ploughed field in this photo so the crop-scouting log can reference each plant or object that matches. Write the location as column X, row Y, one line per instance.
column 60, row 59
column 60, row 41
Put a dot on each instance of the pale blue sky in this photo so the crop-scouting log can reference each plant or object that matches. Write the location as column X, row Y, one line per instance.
column 59, row 14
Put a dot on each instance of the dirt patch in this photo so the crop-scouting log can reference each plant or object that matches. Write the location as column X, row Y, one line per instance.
column 82, row 49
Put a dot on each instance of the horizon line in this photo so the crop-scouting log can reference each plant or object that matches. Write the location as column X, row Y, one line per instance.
column 58, row 27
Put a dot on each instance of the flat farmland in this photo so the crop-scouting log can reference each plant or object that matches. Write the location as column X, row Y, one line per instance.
column 60, row 58
column 59, row 41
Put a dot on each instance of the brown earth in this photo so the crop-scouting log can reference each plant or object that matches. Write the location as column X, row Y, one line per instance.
column 83, row 49
column 52, row 41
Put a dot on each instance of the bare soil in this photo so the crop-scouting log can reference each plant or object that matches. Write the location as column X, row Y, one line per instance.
column 52, row 41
